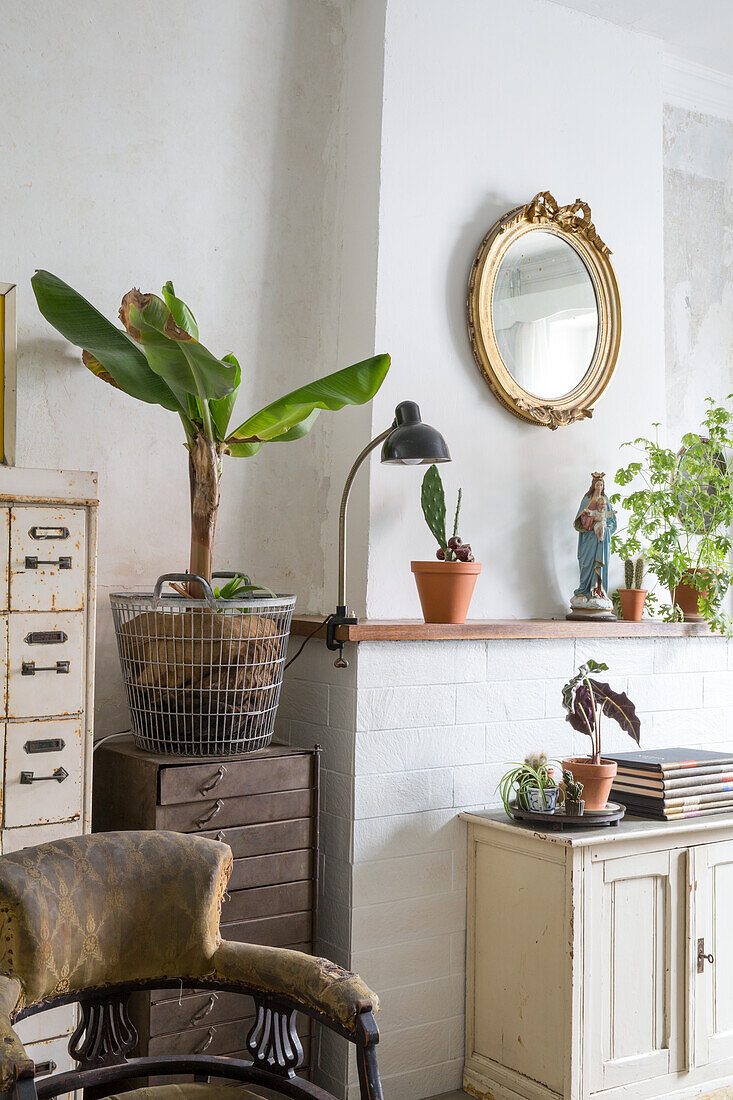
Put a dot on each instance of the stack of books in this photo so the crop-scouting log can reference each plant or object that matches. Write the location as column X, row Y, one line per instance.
column 670, row 784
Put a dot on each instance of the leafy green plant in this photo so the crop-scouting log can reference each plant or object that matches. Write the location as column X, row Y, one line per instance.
column 586, row 700
column 535, row 772
column 238, row 587
column 573, row 787
column 432, row 499
column 156, row 357
column 680, row 510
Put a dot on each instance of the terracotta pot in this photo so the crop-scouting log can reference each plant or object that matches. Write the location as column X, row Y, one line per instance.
column 597, row 779
column 686, row 597
column 632, row 603
column 445, row 588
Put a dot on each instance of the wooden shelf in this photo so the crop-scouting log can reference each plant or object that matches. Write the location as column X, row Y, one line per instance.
column 402, row 630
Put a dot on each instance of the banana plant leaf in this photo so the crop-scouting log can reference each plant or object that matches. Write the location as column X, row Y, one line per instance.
column 182, row 315
column 353, row 385
column 222, row 409
column 109, row 348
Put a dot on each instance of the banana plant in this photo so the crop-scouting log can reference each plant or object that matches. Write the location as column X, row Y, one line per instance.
column 157, row 357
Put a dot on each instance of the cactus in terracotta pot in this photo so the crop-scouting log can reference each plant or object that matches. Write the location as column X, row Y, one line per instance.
column 444, row 586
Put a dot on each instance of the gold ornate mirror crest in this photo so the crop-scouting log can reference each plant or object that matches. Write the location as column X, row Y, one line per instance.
column 544, row 313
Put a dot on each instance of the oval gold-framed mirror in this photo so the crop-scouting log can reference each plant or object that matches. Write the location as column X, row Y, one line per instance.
column 544, row 312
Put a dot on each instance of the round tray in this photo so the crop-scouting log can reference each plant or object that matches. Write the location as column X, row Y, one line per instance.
column 611, row 815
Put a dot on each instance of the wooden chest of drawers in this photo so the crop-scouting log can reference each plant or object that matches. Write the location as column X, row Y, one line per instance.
column 265, row 807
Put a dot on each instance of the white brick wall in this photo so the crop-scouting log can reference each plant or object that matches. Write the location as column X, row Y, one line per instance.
column 414, row 732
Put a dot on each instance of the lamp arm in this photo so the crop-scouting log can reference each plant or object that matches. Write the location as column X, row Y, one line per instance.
column 342, row 515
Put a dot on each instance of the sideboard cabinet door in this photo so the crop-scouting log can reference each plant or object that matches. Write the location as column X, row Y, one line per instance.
column 635, row 996
column 713, row 980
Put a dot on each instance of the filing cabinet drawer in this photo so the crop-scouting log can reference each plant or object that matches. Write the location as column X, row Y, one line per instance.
column 51, row 1056
column 42, row 786
column 27, row 836
column 47, row 559
column 47, row 1025
column 46, row 664
column 4, row 546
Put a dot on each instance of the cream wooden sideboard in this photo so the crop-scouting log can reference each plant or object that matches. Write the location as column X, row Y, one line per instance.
column 599, row 963
column 48, row 541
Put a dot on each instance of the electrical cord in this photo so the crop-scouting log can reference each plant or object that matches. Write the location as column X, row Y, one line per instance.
column 305, row 642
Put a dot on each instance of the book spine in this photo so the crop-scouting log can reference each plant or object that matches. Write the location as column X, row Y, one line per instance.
column 666, row 815
column 724, row 773
column 680, row 794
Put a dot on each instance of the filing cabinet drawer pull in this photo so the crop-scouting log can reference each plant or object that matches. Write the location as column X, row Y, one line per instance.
column 32, row 562
column 49, row 744
column 46, row 637
column 30, row 668
column 206, row 1043
column 214, row 781
column 45, row 1067
column 220, row 835
column 203, row 1012
column 37, row 532
column 59, row 774
column 211, row 814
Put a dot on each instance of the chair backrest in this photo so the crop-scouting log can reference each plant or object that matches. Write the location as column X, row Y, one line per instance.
column 109, row 909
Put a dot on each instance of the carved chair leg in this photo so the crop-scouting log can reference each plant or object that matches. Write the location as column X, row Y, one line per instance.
column 367, row 1037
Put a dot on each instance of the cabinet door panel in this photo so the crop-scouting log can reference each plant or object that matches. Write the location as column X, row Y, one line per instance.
column 636, row 943
column 713, row 981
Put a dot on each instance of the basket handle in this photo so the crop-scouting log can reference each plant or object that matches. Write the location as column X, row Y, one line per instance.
column 184, row 578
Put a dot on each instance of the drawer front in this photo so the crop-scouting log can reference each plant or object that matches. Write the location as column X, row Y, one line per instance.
column 268, row 870
column 30, row 835
column 200, row 1009
column 30, row 796
column 55, row 1022
column 243, row 1056
column 211, row 1039
column 267, row 901
column 271, row 931
column 256, row 840
column 50, row 1056
column 45, row 664
column 4, row 559
column 47, row 559
column 235, row 778
column 222, row 812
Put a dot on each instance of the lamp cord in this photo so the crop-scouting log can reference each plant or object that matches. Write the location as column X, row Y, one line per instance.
column 306, row 640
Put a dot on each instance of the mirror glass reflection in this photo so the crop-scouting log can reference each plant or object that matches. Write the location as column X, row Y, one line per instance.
column 545, row 314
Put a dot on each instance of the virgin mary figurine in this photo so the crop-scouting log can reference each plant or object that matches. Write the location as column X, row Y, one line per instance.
column 595, row 522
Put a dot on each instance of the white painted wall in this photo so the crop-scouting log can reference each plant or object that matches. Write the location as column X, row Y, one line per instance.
column 484, row 105
column 202, row 143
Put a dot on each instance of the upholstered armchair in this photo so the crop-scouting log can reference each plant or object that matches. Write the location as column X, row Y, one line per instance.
column 94, row 918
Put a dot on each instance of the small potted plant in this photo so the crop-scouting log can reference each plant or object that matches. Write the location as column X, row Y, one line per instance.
column 632, row 597
column 445, row 586
column 573, row 789
column 586, row 701
column 532, row 785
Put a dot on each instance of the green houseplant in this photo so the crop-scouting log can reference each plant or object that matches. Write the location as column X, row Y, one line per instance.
column 680, row 509
column 573, row 788
column 586, row 701
column 532, row 785
column 445, row 585
column 156, row 357
column 632, row 597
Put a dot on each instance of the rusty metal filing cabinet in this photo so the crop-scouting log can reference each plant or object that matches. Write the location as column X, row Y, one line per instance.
column 265, row 807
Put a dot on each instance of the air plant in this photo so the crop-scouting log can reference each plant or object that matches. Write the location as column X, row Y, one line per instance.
column 586, row 700
column 156, row 357
column 432, row 498
column 536, row 772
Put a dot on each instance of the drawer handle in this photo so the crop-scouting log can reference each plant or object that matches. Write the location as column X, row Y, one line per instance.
column 49, row 532
column 59, row 774
column 214, row 781
column 206, row 1043
column 220, row 835
column 32, row 562
column 45, row 1067
column 46, row 637
column 210, row 815
column 30, row 668
column 203, row 1012
column 50, row 744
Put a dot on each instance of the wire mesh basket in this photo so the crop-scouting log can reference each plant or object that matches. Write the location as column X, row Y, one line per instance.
column 202, row 677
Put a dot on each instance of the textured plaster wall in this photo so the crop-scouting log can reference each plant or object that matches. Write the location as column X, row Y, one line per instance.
column 140, row 145
column 698, row 262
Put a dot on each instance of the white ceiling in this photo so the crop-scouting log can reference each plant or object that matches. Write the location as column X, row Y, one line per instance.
column 699, row 30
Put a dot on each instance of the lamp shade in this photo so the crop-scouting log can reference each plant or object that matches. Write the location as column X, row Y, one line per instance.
column 411, row 442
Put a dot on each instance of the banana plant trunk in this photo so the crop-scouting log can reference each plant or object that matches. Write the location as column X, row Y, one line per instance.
column 204, row 466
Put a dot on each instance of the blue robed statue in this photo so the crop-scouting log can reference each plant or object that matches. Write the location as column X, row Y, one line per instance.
column 595, row 522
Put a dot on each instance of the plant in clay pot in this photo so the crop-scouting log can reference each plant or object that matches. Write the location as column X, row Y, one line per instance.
column 532, row 785
column 445, row 586
column 573, row 789
column 587, row 701
column 680, row 507
column 210, row 664
column 632, row 597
